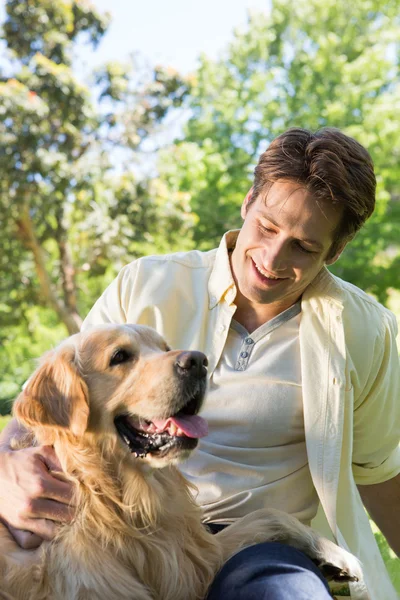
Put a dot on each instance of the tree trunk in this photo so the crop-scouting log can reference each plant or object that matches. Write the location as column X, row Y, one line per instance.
column 67, row 271
column 71, row 319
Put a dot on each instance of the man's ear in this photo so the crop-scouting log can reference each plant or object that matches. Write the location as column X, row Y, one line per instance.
column 243, row 210
column 337, row 255
column 55, row 395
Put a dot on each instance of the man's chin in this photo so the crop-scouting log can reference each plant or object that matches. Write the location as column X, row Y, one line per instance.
column 276, row 293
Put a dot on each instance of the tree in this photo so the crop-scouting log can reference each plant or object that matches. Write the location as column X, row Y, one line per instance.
column 57, row 183
column 68, row 218
column 47, row 120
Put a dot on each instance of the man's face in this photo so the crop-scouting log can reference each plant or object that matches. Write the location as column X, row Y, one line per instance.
column 282, row 246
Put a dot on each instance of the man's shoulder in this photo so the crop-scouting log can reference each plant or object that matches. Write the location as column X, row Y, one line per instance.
column 360, row 311
column 192, row 259
column 356, row 298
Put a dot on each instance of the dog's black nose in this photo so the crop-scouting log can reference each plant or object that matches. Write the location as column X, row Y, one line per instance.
column 192, row 363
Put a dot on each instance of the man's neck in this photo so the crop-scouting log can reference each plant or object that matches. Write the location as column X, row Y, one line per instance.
column 252, row 316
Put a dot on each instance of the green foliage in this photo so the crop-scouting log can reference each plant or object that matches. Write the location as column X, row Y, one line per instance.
column 391, row 561
column 3, row 421
column 69, row 221
column 21, row 345
column 47, row 27
column 47, row 123
column 55, row 171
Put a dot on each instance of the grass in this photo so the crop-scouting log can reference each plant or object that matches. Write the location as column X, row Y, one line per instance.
column 3, row 422
column 391, row 561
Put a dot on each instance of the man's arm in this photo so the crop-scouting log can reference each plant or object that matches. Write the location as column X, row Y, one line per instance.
column 31, row 499
column 382, row 500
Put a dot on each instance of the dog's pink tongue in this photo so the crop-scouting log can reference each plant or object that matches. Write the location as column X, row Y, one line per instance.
column 192, row 426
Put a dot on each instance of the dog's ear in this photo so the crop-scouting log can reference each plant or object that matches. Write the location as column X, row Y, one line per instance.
column 55, row 395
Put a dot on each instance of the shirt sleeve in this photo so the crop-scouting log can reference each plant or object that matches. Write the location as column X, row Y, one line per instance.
column 111, row 306
column 376, row 451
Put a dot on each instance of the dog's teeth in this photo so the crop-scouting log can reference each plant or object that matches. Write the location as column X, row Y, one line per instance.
column 172, row 430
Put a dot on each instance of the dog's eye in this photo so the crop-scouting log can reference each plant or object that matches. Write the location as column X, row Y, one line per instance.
column 120, row 356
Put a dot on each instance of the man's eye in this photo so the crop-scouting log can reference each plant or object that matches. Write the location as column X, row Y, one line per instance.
column 120, row 356
column 305, row 249
column 265, row 228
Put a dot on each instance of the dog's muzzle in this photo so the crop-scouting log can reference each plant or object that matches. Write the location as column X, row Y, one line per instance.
column 179, row 431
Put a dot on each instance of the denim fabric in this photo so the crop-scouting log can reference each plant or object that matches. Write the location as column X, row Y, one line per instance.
column 269, row 571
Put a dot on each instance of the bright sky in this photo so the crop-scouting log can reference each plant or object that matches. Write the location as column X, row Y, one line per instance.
column 170, row 32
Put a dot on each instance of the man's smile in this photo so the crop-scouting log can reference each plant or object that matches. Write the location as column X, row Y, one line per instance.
column 265, row 277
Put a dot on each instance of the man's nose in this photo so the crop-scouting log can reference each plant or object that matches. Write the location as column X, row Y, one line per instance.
column 276, row 257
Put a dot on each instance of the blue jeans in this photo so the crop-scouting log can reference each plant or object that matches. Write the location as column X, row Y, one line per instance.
column 269, row 571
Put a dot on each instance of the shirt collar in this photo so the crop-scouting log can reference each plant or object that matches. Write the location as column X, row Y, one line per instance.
column 221, row 284
column 327, row 286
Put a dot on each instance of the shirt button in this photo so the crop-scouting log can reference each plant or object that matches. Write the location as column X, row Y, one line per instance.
column 244, row 354
column 221, row 328
column 249, row 341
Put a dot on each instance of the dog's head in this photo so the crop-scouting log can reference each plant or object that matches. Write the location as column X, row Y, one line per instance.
column 120, row 381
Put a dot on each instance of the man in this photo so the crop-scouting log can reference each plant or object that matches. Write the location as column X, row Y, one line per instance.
column 304, row 373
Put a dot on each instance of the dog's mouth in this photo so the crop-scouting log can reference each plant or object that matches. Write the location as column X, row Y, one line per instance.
column 158, row 437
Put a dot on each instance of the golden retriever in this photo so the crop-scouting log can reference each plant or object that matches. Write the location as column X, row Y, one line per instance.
column 120, row 409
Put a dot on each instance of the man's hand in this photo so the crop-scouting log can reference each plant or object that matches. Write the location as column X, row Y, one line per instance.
column 32, row 498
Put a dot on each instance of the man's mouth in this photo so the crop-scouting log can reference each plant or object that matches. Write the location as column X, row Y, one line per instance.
column 265, row 277
column 157, row 437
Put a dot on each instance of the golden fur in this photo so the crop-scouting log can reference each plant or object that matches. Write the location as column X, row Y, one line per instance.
column 137, row 533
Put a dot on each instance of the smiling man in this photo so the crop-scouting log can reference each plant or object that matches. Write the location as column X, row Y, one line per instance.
column 303, row 403
column 285, row 241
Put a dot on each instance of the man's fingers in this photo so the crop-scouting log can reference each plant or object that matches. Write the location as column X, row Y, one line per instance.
column 42, row 528
column 25, row 539
column 53, row 483
column 43, row 508
column 55, row 489
column 49, row 457
column 38, row 494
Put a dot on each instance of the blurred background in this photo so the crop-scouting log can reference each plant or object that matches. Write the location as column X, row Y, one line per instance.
column 130, row 128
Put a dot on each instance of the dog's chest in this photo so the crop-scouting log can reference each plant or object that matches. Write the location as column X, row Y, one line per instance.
column 95, row 575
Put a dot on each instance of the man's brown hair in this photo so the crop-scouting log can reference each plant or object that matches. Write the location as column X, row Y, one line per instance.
column 331, row 166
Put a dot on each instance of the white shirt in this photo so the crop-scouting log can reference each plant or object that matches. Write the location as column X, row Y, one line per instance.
column 255, row 453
